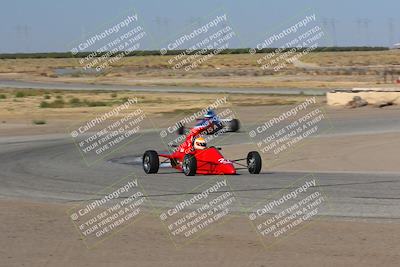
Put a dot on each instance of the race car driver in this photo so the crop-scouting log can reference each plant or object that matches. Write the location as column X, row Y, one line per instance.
column 190, row 141
column 200, row 143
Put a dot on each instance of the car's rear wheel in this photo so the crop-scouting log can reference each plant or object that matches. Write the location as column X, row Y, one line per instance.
column 254, row 162
column 151, row 162
column 234, row 125
column 189, row 165
column 181, row 129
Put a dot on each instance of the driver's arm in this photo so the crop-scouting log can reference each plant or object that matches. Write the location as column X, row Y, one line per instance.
column 196, row 131
column 188, row 144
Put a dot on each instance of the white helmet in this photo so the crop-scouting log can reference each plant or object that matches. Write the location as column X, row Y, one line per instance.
column 200, row 143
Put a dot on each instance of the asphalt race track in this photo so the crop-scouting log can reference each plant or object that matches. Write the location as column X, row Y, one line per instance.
column 50, row 168
column 170, row 89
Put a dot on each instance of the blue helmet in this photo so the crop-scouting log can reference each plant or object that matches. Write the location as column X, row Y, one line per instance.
column 210, row 114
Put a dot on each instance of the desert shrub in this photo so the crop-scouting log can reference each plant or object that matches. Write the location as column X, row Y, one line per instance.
column 95, row 103
column 75, row 101
column 39, row 122
column 58, row 103
column 20, row 94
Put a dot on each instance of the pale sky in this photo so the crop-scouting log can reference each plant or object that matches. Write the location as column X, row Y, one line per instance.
column 48, row 25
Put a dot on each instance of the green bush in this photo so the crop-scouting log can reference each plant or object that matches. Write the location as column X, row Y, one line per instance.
column 39, row 122
column 47, row 96
column 95, row 103
column 44, row 104
column 59, row 103
column 3, row 96
column 75, row 101
column 20, row 94
column 113, row 95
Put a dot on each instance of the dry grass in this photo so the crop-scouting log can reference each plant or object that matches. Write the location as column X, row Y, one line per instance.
column 24, row 115
column 29, row 106
column 346, row 69
column 361, row 58
column 237, row 61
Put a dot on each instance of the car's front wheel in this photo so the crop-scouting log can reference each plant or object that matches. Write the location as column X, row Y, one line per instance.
column 151, row 162
column 254, row 162
column 189, row 165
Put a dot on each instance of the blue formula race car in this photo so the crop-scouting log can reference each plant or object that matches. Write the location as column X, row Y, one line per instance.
column 227, row 125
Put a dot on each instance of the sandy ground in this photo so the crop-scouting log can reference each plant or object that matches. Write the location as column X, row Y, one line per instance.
column 41, row 234
column 36, row 234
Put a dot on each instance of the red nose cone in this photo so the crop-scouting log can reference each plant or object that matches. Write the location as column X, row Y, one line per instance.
column 227, row 169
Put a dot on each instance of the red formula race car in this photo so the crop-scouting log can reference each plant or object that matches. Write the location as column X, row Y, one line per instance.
column 191, row 161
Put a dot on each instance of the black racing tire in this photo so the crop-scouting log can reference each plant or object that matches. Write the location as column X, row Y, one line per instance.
column 174, row 163
column 234, row 125
column 150, row 162
column 254, row 162
column 181, row 129
column 189, row 165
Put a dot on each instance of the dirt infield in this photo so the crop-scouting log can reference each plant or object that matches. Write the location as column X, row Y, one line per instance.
column 41, row 233
column 45, row 236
